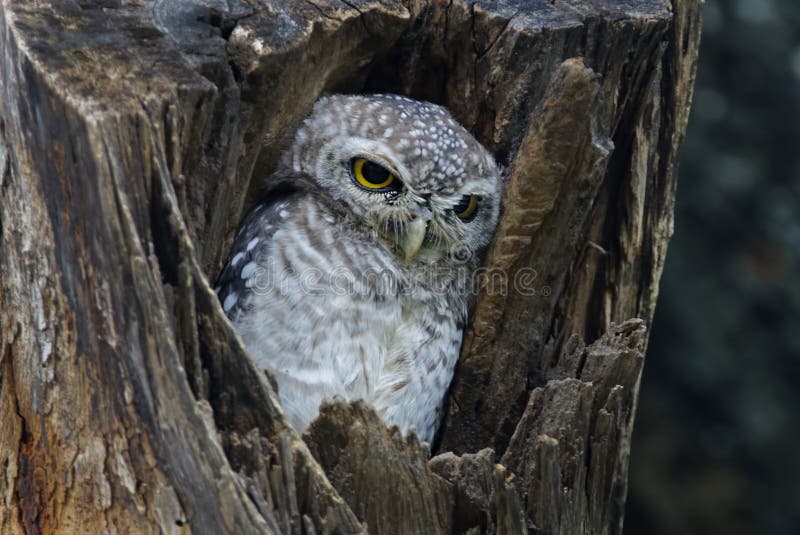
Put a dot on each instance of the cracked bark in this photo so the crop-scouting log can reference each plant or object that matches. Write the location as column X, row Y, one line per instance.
column 134, row 136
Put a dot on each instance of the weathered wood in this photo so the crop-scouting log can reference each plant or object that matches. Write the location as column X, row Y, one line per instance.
column 364, row 460
column 571, row 445
column 135, row 134
column 486, row 499
column 448, row 494
column 595, row 247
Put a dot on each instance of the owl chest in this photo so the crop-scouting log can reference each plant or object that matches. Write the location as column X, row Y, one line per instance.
column 338, row 316
column 376, row 345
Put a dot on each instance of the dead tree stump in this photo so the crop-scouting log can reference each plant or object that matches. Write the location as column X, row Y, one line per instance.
column 135, row 134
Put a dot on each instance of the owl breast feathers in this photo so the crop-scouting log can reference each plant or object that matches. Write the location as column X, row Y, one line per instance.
column 354, row 276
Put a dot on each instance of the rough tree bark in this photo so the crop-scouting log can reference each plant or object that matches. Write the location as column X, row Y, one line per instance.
column 134, row 134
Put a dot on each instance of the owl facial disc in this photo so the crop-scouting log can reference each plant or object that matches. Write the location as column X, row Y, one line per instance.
column 403, row 171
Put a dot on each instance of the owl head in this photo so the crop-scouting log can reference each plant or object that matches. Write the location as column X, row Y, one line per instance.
column 403, row 170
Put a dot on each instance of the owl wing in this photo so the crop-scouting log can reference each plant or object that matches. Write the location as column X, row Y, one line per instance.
column 239, row 279
column 293, row 331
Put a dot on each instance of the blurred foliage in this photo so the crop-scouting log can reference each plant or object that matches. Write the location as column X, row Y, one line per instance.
column 716, row 441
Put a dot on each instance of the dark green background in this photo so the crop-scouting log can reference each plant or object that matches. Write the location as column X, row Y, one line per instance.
column 716, row 447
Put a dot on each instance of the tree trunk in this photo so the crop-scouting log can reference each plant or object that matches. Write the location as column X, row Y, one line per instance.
column 135, row 134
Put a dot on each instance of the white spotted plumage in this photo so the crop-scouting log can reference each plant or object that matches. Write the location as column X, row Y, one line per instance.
column 317, row 284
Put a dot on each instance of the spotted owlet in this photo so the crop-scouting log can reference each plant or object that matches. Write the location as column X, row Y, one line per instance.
column 354, row 276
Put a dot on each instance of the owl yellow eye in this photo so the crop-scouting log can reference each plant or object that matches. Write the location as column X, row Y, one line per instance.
column 466, row 207
column 372, row 176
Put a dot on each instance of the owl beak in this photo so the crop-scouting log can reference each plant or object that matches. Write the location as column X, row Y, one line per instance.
column 414, row 236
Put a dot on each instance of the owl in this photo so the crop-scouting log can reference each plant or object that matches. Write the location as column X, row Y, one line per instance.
column 354, row 276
